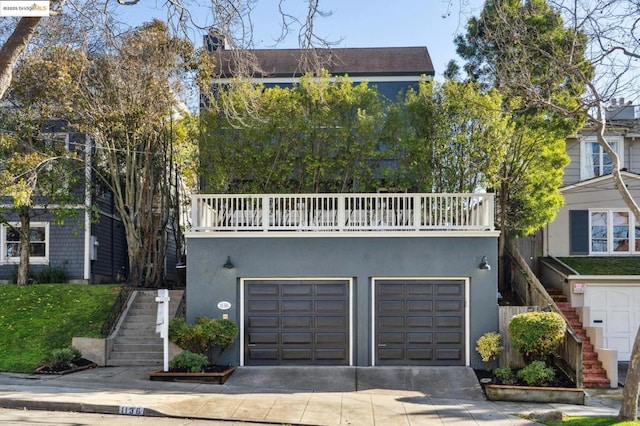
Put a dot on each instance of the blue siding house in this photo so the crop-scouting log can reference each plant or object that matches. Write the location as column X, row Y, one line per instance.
column 90, row 245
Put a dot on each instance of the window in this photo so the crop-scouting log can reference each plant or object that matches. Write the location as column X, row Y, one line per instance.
column 594, row 161
column 38, row 243
column 611, row 232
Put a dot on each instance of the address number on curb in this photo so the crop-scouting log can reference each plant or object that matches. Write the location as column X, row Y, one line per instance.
column 129, row 410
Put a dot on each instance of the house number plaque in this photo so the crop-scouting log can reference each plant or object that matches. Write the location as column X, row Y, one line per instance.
column 224, row 305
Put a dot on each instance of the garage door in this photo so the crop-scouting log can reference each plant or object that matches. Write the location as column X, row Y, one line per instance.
column 617, row 310
column 419, row 322
column 296, row 322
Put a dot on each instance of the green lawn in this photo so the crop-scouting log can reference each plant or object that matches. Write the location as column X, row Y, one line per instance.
column 604, row 265
column 36, row 319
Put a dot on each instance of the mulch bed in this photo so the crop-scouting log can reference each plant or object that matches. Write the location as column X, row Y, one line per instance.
column 561, row 380
column 80, row 365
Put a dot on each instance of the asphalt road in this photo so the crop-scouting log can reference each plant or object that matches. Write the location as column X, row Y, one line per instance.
column 57, row 418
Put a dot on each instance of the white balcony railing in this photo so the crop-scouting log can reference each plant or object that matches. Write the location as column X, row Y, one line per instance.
column 343, row 212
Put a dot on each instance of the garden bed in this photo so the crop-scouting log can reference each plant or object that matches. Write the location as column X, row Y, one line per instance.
column 80, row 365
column 216, row 374
column 546, row 394
column 561, row 390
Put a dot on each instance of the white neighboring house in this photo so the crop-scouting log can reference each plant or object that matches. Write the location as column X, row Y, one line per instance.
column 595, row 221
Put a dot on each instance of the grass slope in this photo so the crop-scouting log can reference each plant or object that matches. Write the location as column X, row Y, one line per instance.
column 35, row 319
column 604, row 265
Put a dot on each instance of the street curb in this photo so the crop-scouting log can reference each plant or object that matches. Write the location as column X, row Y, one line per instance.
column 79, row 407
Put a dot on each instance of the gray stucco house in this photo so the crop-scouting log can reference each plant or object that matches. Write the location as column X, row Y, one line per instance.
column 346, row 279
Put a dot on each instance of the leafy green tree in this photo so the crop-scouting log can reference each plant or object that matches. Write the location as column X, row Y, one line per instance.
column 531, row 172
column 455, row 138
column 318, row 136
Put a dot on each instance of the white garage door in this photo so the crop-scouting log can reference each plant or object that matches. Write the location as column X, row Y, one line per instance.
column 617, row 310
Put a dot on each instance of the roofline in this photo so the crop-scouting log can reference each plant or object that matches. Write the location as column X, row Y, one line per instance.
column 597, row 180
column 354, row 79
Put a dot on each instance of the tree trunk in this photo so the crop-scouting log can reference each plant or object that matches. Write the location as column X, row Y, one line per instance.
column 629, row 408
column 25, row 237
column 13, row 47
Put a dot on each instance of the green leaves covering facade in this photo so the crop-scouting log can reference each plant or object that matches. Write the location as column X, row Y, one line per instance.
column 334, row 136
column 318, row 136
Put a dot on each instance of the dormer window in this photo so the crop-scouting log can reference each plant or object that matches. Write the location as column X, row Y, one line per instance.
column 594, row 161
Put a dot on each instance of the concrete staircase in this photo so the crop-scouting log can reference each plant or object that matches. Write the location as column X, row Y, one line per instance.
column 593, row 375
column 135, row 341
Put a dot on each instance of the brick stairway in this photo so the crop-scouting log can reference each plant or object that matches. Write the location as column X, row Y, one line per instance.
column 136, row 341
column 593, row 375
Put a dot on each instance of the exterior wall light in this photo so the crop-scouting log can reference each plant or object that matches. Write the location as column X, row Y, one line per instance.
column 228, row 264
column 484, row 264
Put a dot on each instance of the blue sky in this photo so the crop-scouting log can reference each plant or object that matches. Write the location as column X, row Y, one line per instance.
column 357, row 23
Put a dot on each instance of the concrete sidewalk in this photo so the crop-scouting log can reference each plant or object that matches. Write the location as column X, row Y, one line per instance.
column 296, row 396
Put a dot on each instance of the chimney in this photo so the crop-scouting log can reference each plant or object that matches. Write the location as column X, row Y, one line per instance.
column 618, row 110
column 214, row 40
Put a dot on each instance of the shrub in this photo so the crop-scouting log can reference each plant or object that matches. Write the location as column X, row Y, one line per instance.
column 46, row 275
column 207, row 336
column 505, row 375
column 50, row 275
column 537, row 374
column 536, row 335
column 186, row 360
column 489, row 347
column 65, row 358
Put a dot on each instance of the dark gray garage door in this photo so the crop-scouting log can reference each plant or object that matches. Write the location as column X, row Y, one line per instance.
column 419, row 322
column 296, row 322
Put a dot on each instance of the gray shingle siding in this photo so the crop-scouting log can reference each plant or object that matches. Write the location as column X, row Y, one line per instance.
column 66, row 247
column 111, row 263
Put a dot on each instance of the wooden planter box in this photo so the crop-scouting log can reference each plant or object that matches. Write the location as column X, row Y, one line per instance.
column 84, row 365
column 535, row 394
column 212, row 378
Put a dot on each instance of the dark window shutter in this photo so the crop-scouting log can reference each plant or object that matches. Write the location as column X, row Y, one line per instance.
column 579, row 231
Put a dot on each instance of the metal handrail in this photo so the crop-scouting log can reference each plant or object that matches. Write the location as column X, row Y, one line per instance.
column 118, row 307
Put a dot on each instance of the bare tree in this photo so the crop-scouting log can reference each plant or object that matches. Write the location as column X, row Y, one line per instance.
column 608, row 32
column 231, row 19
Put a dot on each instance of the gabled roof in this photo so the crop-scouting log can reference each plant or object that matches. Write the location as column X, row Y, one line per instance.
column 598, row 179
column 368, row 61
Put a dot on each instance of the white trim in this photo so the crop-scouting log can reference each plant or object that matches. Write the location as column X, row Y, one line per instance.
column 585, row 171
column 87, row 214
column 610, row 249
column 633, row 279
column 47, row 207
column 626, row 175
column 353, row 79
column 33, row 260
column 242, row 304
column 467, row 326
column 344, row 234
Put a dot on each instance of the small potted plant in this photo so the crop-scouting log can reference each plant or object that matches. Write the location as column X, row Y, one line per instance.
column 202, row 344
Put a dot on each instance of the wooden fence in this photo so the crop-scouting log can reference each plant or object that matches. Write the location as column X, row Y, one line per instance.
column 527, row 286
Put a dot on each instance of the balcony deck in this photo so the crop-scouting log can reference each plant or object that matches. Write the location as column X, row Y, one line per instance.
column 343, row 214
